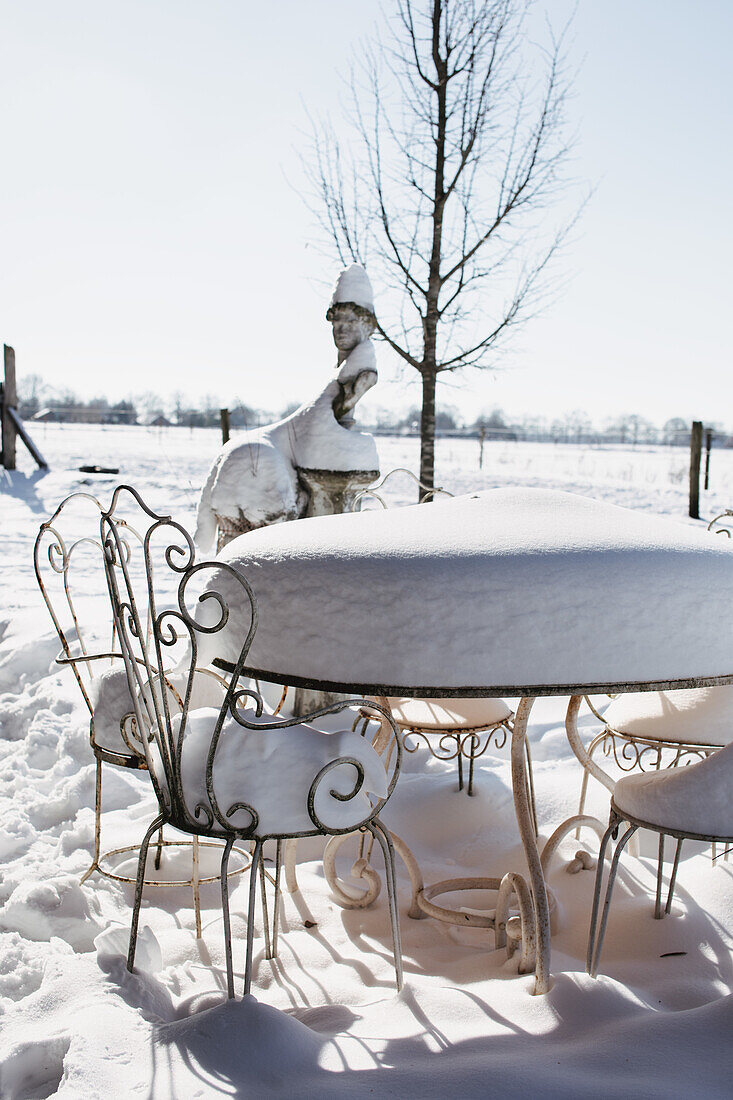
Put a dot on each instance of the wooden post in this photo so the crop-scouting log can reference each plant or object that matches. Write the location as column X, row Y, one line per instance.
column 695, row 455
column 482, row 436
column 10, row 400
column 224, row 425
column 708, row 445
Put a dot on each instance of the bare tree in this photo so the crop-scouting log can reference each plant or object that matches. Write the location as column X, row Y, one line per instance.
column 456, row 153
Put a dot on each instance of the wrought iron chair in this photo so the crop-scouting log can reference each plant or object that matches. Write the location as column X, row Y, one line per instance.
column 226, row 772
column 685, row 803
column 650, row 730
column 68, row 546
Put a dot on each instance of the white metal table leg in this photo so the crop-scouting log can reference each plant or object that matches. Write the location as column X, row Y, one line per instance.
column 523, row 811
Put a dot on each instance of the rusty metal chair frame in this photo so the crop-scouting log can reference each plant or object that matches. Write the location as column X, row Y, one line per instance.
column 62, row 552
column 163, row 738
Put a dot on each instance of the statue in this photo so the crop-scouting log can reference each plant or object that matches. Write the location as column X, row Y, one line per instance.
column 312, row 462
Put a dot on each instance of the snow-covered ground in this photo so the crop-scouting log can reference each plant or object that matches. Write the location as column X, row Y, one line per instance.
column 325, row 1019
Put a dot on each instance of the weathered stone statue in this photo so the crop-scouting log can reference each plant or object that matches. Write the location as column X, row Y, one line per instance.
column 312, row 462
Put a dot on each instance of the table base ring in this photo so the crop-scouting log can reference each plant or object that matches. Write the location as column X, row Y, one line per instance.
column 510, row 932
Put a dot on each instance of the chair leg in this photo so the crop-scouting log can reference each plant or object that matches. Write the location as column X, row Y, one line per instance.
column 660, row 868
column 385, row 840
column 159, row 850
column 473, row 743
column 256, row 857
column 290, row 866
column 225, row 914
column 276, row 903
column 609, row 890
column 612, row 828
column 142, row 859
column 94, row 865
column 265, row 914
column 673, row 877
column 195, row 884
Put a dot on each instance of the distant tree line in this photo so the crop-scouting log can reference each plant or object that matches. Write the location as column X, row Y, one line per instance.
column 573, row 427
column 41, row 402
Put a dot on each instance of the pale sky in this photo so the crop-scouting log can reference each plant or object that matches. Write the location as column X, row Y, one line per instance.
column 152, row 236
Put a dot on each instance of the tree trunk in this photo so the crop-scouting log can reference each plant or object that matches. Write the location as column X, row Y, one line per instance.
column 427, row 433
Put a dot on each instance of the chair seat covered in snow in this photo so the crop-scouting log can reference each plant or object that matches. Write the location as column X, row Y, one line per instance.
column 700, row 716
column 504, row 592
column 693, row 802
column 436, row 715
column 646, row 729
column 456, row 725
column 271, row 772
column 226, row 772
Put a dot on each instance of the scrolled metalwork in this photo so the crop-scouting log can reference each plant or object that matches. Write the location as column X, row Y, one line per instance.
column 723, row 530
column 347, row 797
column 636, row 753
column 450, row 746
column 372, row 490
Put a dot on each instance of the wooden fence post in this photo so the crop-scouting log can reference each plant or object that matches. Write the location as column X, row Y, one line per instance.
column 9, row 401
column 695, row 455
column 224, row 425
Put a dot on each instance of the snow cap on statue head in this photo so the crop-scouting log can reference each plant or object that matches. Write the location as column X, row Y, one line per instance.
column 353, row 289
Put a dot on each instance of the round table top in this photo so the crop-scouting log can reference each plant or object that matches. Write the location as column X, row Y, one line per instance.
column 504, row 592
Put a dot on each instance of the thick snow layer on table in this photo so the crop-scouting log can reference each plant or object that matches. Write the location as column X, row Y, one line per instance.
column 507, row 587
column 325, row 1020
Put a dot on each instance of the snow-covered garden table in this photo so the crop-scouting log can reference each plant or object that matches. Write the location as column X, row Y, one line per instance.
column 510, row 592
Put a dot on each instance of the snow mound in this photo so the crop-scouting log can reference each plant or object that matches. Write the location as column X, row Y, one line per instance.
column 57, row 907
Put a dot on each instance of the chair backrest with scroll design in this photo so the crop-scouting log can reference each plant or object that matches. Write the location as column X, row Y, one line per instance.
column 374, row 492
column 159, row 638
column 68, row 562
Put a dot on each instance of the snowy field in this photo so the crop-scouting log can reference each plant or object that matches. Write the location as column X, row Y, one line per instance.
column 325, row 1019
